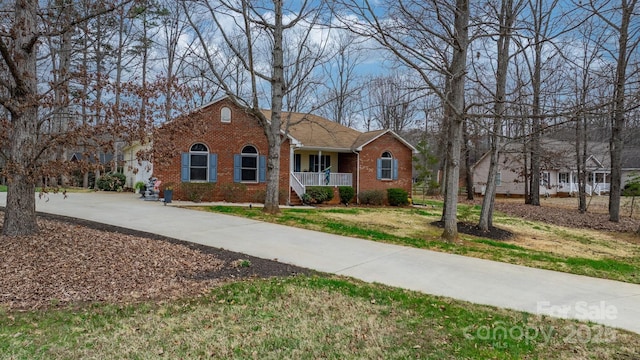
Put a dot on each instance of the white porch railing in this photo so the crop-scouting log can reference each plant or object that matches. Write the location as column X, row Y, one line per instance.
column 297, row 186
column 598, row 188
column 319, row 179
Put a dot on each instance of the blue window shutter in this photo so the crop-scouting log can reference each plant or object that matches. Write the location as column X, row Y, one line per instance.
column 213, row 167
column 395, row 169
column 237, row 168
column 184, row 167
column 262, row 168
column 379, row 169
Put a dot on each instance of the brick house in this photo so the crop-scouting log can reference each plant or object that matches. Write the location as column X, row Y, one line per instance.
column 221, row 143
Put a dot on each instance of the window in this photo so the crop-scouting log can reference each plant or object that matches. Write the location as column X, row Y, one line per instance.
column 198, row 162
column 563, row 177
column 249, row 166
column 199, row 165
column 387, row 167
column 225, row 115
column 545, row 179
column 318, row 163
column 297, row 162
column 498, row 178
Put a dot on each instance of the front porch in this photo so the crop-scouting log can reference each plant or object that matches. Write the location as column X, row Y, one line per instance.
column 596, row 182
column 321, row 168
column 299, row 181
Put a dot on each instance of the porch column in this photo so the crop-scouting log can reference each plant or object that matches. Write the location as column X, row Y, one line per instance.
column 319, row 167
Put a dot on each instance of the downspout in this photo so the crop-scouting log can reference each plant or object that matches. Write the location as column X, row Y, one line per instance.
column 357, row 177
column 291, row 163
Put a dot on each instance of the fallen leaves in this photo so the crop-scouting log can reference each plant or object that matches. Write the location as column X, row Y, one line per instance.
column 67, row 264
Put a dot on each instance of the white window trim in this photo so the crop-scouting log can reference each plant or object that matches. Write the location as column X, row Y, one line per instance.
column 255, row 155
column 225, row 115
column 206, row 167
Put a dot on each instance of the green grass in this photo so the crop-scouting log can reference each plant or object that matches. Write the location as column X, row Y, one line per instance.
column 304, row 318
column 319, row 219
column 3, row 188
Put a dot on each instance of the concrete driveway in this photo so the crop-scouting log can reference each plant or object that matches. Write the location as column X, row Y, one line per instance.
column 479, row 281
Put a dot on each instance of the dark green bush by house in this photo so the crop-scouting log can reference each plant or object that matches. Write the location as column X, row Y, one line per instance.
column 319, row 194
column 371, row 197
column 346, row 194
column 112, row 182
column 397, row 197
column 197, row 191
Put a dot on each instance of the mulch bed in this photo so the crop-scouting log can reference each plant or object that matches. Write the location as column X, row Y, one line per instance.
column 494, row 233
column 73, row 261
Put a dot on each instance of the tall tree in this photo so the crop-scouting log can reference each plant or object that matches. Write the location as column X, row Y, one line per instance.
column 505, row 13
column 26, row 92
column 19, row 53
column 257, row 25
column 621, row 18
column 431, row 38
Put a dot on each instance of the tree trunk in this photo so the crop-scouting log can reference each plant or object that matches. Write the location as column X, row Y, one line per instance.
column 467, row 162
column 506, row 19
column 272, row 201
column 455, row 101
column 20, row 213
column 618, row 121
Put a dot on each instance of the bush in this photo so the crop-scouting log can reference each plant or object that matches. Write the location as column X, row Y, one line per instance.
column 319, row 194
column 346, row 194
column 112, row 182
column 397, row 197
column 631, row 189
column 196, row 191
column 140, row 186
column 371, row 197
column 233, row 192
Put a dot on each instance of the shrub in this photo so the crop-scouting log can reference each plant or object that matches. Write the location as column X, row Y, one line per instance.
column 140, row 185
column 346, row 194
column 196, row 191
column 371, row 197
column 397, row 197
column 112, row 182
column 233, row 192
column 319, row 194
column 631, row 189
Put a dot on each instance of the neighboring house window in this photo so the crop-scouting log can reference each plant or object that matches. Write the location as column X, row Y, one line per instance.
column 563, row 177
column 225, row 115
column 545, row 179
column 199, row 165
column 319, row 163
column 498, row 178
column 297, row 162
column 249, row 166
column 387, row 167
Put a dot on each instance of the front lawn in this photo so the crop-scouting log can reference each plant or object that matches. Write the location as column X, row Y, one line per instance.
column 604, row 254
column 305, row 317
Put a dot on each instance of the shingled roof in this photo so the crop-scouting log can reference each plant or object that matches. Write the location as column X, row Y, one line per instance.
column 316, row 132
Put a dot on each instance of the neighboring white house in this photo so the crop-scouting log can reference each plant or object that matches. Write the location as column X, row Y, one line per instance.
column 558, row 169
column 134, row 168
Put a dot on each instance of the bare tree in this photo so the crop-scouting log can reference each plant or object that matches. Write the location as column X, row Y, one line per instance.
column 344, row 87
column 393, row 99
column 622, row 19
column 246, row 28
column 505, row 14
column 431, row 38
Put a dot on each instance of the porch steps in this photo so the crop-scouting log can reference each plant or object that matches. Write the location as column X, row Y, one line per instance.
column 295, row 199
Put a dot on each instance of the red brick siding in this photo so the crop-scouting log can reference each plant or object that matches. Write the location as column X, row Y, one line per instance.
column 368, row 162
column 224, row 139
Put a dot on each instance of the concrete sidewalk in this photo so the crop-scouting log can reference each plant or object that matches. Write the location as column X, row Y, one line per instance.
column 479, row 281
